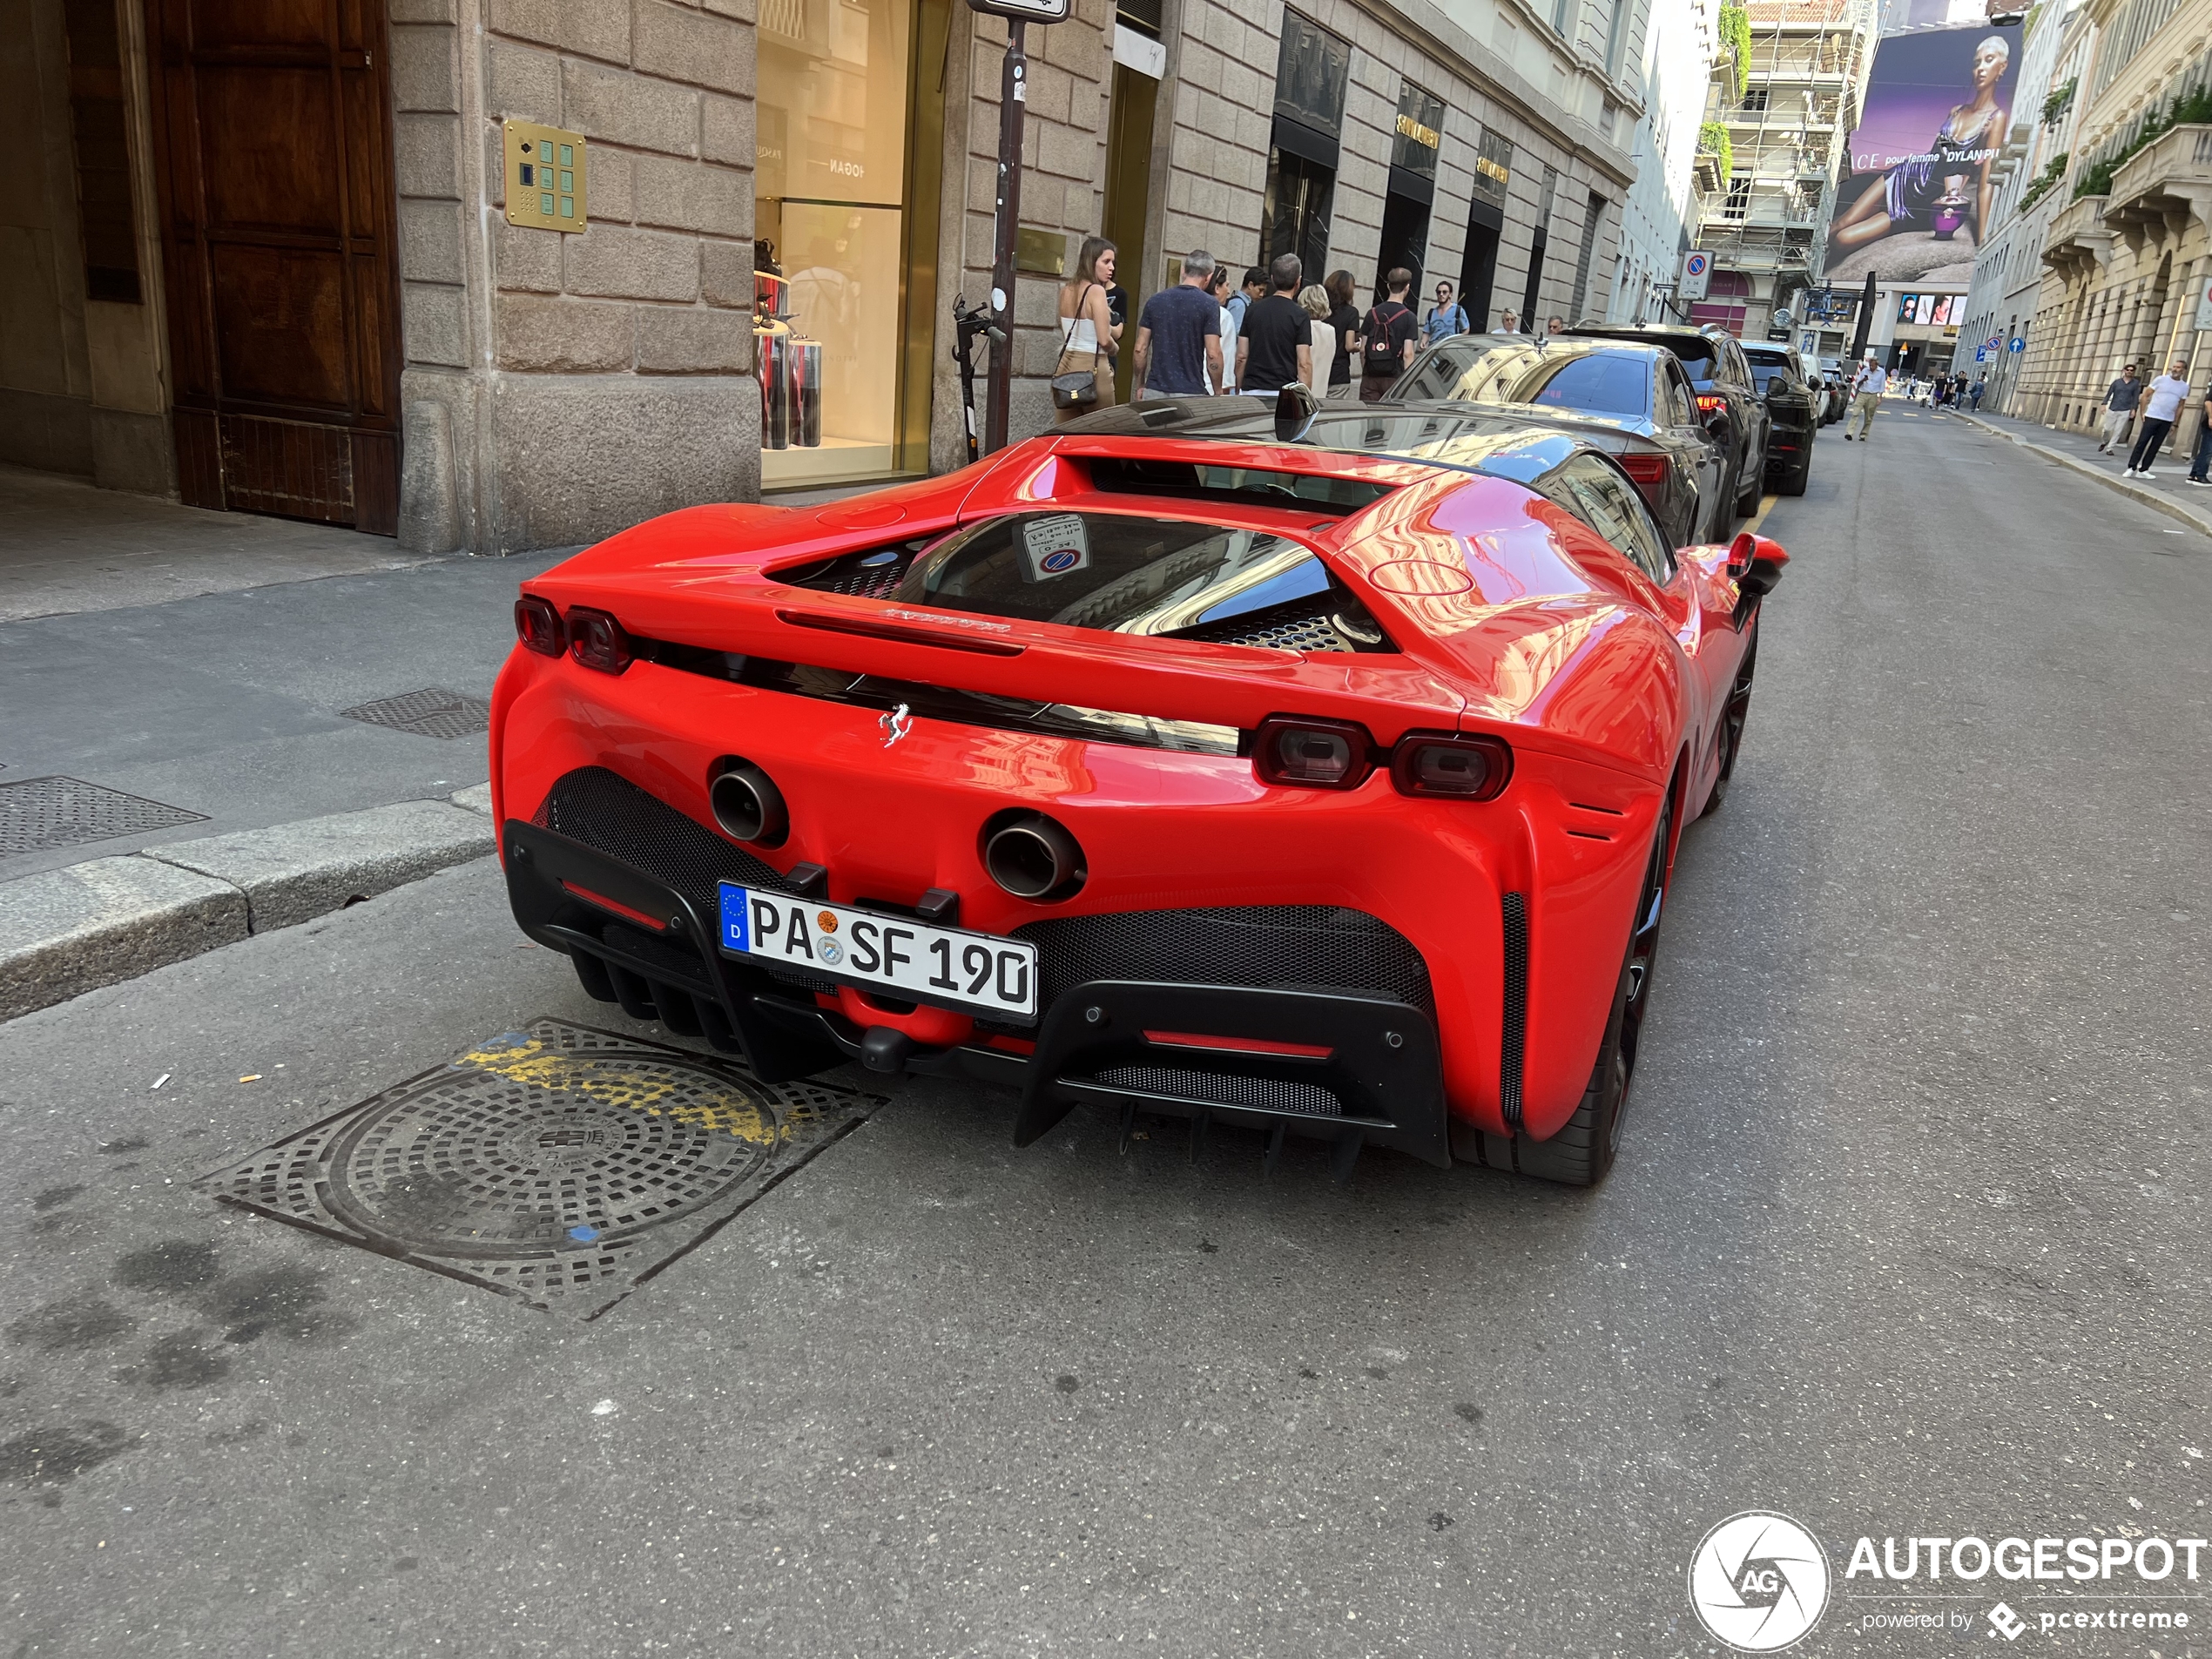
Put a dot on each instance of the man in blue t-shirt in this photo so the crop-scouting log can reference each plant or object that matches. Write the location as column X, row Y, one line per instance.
column 1179, row 336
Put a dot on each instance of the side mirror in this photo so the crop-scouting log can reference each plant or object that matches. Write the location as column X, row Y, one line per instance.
column 1755, row 561
column 1294, row 412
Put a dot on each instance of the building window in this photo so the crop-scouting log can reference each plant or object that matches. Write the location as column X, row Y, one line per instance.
column 106, row 224
column 1754, row 100
column 1592, row 216
column 1739, row 196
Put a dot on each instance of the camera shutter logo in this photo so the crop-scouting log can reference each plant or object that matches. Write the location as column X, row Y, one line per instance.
column 1759, row 1582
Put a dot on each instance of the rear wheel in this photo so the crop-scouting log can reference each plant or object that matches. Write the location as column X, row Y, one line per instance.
column 1800, row 474
column 1732, row 718
column 1582, row 1153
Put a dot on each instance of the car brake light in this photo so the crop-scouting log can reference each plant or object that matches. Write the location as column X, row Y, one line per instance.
column 1312, row 755
column 1450, row 763
column 538, row 624
column 596, row 640
column 1647, row 470
column 1707, row 401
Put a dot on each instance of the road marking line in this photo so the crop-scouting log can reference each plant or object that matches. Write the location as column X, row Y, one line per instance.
column 1766, row 506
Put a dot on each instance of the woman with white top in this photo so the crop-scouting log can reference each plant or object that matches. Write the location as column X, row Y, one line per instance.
column 1313, row 299
column 1087, row 331
column 1219, row 288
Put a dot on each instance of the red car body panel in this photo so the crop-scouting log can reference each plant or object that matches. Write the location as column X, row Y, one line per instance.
column 1511, row 616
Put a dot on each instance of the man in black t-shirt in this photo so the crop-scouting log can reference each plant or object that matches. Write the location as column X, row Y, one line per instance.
column 1275, row 347
column 1387, row 340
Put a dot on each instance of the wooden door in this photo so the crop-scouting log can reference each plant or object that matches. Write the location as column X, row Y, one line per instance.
column 273, row 139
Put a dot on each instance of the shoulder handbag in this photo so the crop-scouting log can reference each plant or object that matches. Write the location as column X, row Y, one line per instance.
column 1075, row 388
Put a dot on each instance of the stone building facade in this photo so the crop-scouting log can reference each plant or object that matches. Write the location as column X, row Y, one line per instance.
column 2129, row 251
column 781, row 199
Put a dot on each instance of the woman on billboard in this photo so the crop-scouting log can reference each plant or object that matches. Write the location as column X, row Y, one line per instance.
column 1928, row 192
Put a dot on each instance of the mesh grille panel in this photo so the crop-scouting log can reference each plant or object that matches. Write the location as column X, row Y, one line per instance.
column 865, row 576
column 1265, row 946
column 1304, row 627
column 1516, row 1011
column 611, row 815
column 1225, row 1089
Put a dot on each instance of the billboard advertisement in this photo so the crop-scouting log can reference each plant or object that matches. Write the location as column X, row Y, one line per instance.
column 1915, row 188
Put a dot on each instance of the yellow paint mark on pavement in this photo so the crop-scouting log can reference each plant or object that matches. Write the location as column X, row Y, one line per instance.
column 633, row 1085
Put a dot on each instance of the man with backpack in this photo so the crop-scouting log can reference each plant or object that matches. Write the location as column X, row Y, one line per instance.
column 1445, row 319
column 1386, row 339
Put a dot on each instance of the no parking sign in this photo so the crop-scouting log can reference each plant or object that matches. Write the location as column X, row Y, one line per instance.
column 1696, row 273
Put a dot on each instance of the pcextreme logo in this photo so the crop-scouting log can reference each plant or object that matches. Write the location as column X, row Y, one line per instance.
column 1759, row 1582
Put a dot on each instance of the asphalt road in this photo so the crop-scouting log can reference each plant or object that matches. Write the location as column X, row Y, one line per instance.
column 1907, row 1239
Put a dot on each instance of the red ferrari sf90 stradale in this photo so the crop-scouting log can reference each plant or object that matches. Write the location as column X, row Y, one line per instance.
column 1316, row 769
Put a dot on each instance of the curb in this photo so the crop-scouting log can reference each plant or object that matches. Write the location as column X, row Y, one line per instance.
column 69, row 931
column 2150, row 498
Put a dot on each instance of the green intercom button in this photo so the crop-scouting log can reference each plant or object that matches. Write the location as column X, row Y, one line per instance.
column 568, row 155
column 568, row 207
column 545, row 204
column 568, row 179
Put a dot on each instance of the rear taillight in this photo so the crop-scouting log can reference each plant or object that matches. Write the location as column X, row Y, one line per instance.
column 1649, row 471
column 538, row 624
column 1312, row 754
column 596, row 640
column 1450, row 763
column 1707, row 401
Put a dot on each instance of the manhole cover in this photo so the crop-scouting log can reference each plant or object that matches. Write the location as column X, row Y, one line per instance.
column 40, row 814
column 561, row 1165
column 428, row 713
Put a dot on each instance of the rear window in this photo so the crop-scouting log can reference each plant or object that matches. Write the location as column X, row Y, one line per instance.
column 1762, row 372
column 1608, row 383
column 1697, row 356
column 1259, row 486
column 1120, row 574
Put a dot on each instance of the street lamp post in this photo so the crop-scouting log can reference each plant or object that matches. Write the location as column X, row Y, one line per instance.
column 1014, row 98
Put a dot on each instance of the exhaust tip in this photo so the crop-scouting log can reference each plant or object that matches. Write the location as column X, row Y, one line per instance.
column 748, row 805
column 1032, row 857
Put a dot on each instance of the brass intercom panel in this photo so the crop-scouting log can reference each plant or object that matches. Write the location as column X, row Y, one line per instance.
column 545, row 177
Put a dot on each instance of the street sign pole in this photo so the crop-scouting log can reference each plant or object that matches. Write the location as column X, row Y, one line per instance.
column 1013, row 96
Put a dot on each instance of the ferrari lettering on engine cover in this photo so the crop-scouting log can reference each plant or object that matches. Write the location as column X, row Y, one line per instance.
column 948, row 966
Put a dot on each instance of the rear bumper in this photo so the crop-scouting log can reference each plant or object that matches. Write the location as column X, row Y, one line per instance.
column 1501, row 926
column 1356, row 1069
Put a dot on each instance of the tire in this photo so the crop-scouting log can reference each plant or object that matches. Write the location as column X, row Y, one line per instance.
column 1733, row 715
column 1583, row 1151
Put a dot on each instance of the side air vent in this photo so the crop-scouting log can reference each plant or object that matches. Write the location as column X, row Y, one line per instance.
column 1515, row 1031
column 873, row 574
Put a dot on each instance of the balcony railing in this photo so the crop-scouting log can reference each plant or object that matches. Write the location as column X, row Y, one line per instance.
column 2155, row 190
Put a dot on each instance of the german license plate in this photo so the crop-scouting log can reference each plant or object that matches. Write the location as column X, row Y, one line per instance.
column 951, row 967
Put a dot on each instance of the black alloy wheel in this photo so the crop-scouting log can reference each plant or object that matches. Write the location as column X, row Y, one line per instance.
column 1582, row 1152
column 1738, row 710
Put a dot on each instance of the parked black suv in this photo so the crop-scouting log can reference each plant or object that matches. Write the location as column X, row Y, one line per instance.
column 1795, row 406
column 1728, row 397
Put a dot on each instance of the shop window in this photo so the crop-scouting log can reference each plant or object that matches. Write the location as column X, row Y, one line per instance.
column 1311, row 66
column 833, row 226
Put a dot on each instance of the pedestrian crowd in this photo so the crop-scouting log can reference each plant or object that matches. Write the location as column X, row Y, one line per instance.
column 1199, row 337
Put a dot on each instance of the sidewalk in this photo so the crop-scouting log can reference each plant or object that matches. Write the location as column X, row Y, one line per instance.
column 2166, row 493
